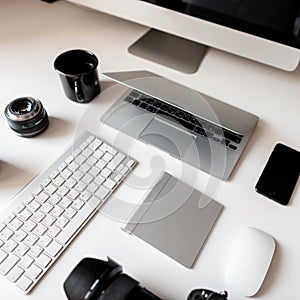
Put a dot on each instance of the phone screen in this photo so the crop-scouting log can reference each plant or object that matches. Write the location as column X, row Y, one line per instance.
column 280, row 174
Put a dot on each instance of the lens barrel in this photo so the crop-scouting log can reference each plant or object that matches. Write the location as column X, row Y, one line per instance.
column 26, row 116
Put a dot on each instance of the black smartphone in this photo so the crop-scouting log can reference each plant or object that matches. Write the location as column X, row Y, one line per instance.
column 280, row 174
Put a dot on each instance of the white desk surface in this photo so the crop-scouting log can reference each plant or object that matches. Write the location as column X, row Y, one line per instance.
column 32, row 34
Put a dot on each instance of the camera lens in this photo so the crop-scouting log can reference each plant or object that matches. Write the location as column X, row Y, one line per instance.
column 26, row 116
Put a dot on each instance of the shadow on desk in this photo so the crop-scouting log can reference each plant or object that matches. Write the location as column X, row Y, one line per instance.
column 11, row 175
column 57, row 127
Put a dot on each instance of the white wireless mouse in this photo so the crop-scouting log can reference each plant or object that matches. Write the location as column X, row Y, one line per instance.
column 250, row 261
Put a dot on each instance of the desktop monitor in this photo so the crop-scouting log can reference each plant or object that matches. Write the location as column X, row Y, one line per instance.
column 265, row 31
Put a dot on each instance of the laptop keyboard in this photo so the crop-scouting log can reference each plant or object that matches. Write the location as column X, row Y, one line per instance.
column 47, row 214
column 191, row 122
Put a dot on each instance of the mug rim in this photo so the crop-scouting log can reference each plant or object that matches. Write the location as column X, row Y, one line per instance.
column 72, row 51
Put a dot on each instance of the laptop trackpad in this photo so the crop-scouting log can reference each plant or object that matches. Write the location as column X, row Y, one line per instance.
column 167, row 137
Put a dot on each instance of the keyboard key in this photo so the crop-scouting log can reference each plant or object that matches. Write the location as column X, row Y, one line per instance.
column 91, row 161
column 34, row 206
column 43, row 260
column 3, row 255
column 69, row 159
column 5, row 234
column 102, row 192
column 44, row 241
column 55, row 199
column 62, row 167
column 63, row 190
column 15, row 274
column 45, row 182
column 8, row 264
column 42, row 197
column 98, row 154
column 151, row 109
column 65, row 202
column 31, row 239
column 95, row 144
column 38, row 216
column 106, row 172
column 25, row 215
column 54, row 174
column 85, row 196
column 49, row 220
column 218, row 131
column 70, row 183
column 53, row 231
column 26, row 262
column 40, row 230
column 233, row 147
column 116, row 161
column 24, row 283
column 149, row 100
column 101, row 164
column 92, row 187
column 136, row 102
column 80, row 159
column 232, row 137
column 83, row 145
column 85, row 168
column 37, row 190
column 94, row 171
column 35, row 251
column 107, row 157
column 15, row 224
column 208, row 134
column 20, row 235
column 21, row 250
column 78, row 204
column 10, row 245
column 66, row 173
column 110, row 183
column 199, row 130
column 62, row 222
column 87, row 152
column 18, row 209
column 99, row 180
column 80, row 186
column 29, row 226
column 53, row 249
column 57, row 211
column 33, row 271
column 73, row 166
column 9, row 218
column 87, row 178
column 47, row 207
column 73, row 194
column 70, row 212
column 27, row 200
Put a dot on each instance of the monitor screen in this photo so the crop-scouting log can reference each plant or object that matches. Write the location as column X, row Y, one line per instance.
column 265, row 31
column 276, row 20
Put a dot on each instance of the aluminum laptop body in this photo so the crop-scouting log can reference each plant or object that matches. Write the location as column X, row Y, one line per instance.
column 195, row 128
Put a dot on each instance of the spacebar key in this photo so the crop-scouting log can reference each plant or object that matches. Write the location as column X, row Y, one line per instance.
column 82, row 215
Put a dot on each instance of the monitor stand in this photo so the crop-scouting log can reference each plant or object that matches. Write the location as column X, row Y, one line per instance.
column 169, row 50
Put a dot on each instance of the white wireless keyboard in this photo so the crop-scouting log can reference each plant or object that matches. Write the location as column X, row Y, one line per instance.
column 43, row 218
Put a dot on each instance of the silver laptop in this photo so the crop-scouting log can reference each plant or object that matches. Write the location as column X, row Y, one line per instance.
column 195, row 128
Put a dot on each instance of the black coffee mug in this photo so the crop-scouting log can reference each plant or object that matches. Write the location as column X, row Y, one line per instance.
column 78, row 73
